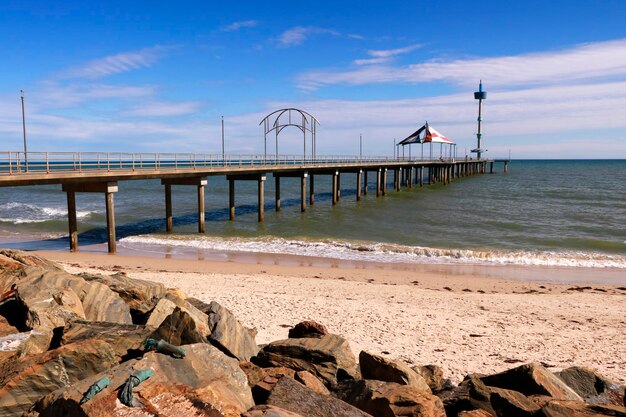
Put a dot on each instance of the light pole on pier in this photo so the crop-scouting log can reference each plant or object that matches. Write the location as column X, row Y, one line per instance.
column 479, row 95
column 223, row 139
column 360, row 146
column 24, row 130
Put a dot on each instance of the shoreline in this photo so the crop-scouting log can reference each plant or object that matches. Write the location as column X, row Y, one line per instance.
column 463, row 320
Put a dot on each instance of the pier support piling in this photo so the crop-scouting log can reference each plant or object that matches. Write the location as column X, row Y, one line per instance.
column 261, row 190
column 71, row 220
column 231, row 199
column 365, row 182
column 378, row 180
column 169, row 220
column 303, row 192
column 359, row 176
column 201, row 225
column 312, row 190
column 277, row 189
column 335, row 186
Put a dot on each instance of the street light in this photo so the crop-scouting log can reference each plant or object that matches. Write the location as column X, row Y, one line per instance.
column 222, row 139
column 24, row 130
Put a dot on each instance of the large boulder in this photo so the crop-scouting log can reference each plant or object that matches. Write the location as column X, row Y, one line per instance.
column 532, row 379
column 46, row 299
column 140, row 295
column 383, row 369
column 179, row 328
column 293, row 396
column 204, row 382
column 265, row 410
column 25, row 380
column 6, row 328
column 593, row 387
column 228, row 335
column 578, row 409
column 389, row 399
column 125, row 339
column 307, row 328
column 328, row 357
column 166, row 306
column 13, row 262
column 433, row 375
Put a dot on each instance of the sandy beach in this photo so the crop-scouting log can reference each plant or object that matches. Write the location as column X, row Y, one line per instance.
column 469, row 319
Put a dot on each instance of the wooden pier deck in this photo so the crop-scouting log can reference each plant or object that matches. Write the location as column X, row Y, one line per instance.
column 100, row 173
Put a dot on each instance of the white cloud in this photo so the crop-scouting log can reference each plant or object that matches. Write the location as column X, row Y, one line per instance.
column 115, row 64
column 239, row 25
column 162, row 109
column 297, row 35
column 584, row 62
column 381, row 56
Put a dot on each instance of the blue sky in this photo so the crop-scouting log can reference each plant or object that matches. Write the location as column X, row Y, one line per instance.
column 157, row 76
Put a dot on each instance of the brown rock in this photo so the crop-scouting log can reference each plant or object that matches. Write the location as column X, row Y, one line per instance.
column 253, row 372
column 24, row 381
column 578, row 409
column 329, row 358
column 269, row 411
column 38, row 341
column 312, row 382
column 532, row 379
column 179, row 328
column 383, row 369
column 12, row 261
column 293, row 396
column 389, row 399
column 205, row 382
column 125, row 339
column 6, row 328
column 433, row 375
column 228, row 335
column 307, row 329
column 269, row 377
column 475, row 413
column 141, row 296
column 166, row 306
column 593, row 387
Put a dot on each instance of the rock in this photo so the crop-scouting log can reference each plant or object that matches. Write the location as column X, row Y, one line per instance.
column 228, row 335
column 179, row 328
column 312, row 382
column 512, row 403
column 253, row 372
column 433, row 375
column 329, row 357
column 46, row 299
column 269, row 377
column 295, row 397
column 383, row 369
column 166, row 306
column 475, row 413
column 141, row 296
column 532, row 379
column 578, row 409
column 25, row 380
column 6, row 328
column 390, row 399
column 125, row 339
column 205, row 382
column 38, row 341
column 307, row 329
column 593, row 387
column 12, row 261
column 269, row 411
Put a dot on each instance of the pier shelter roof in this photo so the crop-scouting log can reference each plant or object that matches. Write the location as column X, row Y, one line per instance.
column 426, row 134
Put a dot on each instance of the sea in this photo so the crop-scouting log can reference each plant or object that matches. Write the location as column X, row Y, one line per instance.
column 562, row 213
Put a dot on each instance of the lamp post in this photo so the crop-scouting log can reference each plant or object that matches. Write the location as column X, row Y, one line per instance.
column 24, row 130
column 223, row 139
column 360, row 146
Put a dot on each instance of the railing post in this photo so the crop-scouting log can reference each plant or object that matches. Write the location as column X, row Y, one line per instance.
column 133, row 159
column 108, row 162
column 10, row 165
column 47, row 164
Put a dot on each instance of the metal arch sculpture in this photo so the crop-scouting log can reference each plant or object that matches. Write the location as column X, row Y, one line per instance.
column 305, row 122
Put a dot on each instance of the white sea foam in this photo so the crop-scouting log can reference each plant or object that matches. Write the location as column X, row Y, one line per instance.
column 379, row 252
column 19, row 213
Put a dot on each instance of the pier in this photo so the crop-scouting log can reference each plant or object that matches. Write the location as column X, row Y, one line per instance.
column 101, row 172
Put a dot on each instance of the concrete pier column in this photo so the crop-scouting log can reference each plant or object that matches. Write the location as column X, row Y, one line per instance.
column 335, row 184
column 169, row 220
column 71, row 220
column 261, row 187
column 397, row 172
column 491, row 167
column 201, row 228
column 303, row 192
column 231, row 199
column 359, row 176
column 410, row 177
column 506, row 166
column 378, row 180
column 422, row 176
column 384, row 184
column 110, row 209
column 312, row 189
column 277, row 189
column 338, row 186
column 365, row 183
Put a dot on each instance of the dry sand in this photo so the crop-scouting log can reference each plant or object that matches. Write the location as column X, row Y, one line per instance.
column 461, row 319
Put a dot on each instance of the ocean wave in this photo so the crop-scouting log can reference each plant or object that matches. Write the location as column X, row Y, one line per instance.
column 380, row 252
column 19, row 213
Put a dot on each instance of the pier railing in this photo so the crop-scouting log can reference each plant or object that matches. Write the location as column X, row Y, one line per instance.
column 18, row 163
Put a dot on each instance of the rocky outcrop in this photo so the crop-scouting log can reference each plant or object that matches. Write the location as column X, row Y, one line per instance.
column 204, row 382
column 593, row 387
column 312, row 382
column 141, row 296
column 24, row 381
column 329, row 357
column 179, row 328
column 228, row 334
column 295, row 397
column 308, row 328
column 383, row 369
column 433, row 375
column 578, row 409
column 166, row 306
column 125, row 339
column 269, row 411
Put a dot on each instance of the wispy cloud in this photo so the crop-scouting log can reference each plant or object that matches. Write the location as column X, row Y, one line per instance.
column 583, row 62
column 163, row 109
column 297, row 35
column 118, row 63
column 240, row 25
column 380, row 56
